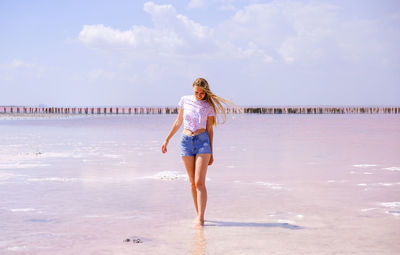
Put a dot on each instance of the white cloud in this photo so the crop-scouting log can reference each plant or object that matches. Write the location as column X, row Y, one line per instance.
column 223, row 5
column 100, row 34
column 196, row 4
column 227, row 7
column 255, row 41
column 290, row 31
column 172, row 34
column 17, row 69
column 138, row 37
column 278, row 31
column 253, row 51
column 16, row 63
column 310, row 33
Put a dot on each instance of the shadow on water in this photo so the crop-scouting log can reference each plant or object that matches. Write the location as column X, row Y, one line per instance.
column 250, row 224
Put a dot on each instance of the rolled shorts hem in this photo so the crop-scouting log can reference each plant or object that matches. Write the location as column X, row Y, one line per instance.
column 195, row 154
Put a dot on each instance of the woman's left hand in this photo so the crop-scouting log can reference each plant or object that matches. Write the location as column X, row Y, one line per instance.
column 211, row 160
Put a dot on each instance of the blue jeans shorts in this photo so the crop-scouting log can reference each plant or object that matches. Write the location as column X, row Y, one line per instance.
column 197, row 144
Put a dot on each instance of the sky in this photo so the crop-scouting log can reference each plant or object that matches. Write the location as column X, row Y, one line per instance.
column 148, row 53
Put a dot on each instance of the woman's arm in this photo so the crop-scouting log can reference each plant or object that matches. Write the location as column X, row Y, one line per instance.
column 175, row 127
column 210, row 133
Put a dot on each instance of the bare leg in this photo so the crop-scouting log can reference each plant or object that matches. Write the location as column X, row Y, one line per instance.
column 201, row 164
column 190, row 168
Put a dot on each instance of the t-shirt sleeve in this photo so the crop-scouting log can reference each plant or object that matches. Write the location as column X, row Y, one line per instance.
column 211, row 111
column 180, row 104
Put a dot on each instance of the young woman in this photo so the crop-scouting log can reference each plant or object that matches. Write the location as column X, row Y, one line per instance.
column 197, row 112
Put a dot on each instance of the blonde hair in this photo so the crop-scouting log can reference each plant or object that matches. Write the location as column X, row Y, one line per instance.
column 214, row 100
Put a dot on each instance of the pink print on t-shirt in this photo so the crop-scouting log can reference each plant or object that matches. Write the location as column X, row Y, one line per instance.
column 195, row 112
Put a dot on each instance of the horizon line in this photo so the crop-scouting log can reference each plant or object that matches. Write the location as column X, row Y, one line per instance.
column 173, row 106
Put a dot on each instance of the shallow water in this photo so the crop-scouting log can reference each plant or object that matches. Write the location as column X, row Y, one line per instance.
column 280, row 184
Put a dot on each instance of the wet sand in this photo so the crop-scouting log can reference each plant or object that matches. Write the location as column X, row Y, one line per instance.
column 293, row 184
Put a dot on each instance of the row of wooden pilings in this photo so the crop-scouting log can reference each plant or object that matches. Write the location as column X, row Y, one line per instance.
column 323, row 110
column 90, row 110
column 174, row 110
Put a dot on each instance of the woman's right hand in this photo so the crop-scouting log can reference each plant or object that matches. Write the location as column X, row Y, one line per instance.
column 164, row 146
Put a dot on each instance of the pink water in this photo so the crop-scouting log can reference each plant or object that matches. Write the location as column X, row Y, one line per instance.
column 290, row 184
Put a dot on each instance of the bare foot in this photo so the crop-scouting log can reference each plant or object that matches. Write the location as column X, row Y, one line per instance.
column 198, row 222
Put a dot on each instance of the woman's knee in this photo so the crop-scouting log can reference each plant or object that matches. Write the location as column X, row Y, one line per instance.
column 199, row 184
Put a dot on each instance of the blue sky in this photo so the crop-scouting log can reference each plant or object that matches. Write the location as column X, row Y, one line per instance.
column 95, row 53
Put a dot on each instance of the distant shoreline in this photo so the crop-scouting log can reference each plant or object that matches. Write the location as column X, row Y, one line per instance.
column 66, row 111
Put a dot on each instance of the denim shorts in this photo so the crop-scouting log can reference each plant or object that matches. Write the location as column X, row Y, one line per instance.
column 197, row 144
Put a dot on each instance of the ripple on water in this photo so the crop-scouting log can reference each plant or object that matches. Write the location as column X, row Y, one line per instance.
column 4, row 176
column 364, row 165
column 393, row 208
column 167, row 176
column 22, row 209
column 368, row 209
column 114, row 156
column 274, row 186
column 380, row 184
column 337, row 181
column 52, row 179
column 394, row 168
column 394, row 213
column 19, row 165
column 16, row 248
column 390, row 204
column 230, row 166
column 286, row 217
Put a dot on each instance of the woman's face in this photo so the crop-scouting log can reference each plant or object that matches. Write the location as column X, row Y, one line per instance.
column 199, row 93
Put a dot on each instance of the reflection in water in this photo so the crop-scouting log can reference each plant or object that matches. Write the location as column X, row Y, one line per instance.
column 199, row 243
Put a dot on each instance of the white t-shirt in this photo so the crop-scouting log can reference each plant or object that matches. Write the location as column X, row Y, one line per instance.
column 195, row 112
